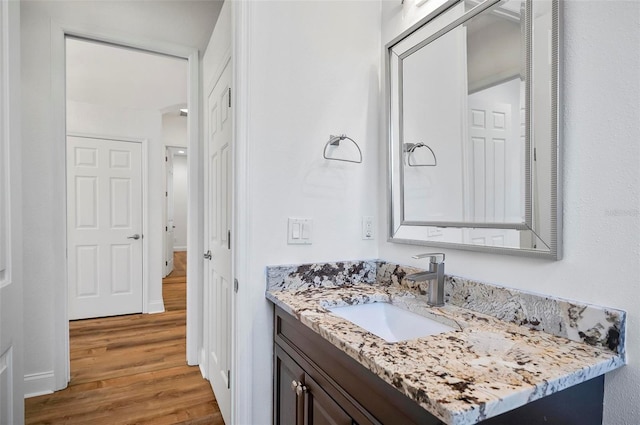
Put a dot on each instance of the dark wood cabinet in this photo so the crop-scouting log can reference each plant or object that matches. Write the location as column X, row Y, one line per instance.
column 289, row 407
column 316, row 384
column 300, row 400
column 320, row 409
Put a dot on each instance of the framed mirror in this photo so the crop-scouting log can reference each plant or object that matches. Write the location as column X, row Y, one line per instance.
column 474, row 154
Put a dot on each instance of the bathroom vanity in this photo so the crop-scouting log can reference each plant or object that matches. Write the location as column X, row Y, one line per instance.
column 509, row 357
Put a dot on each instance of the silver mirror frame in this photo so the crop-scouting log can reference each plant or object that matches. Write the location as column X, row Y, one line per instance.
column 398, row 228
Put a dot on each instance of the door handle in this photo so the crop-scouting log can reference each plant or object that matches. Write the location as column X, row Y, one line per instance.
column 136, row 237
column 207, row 255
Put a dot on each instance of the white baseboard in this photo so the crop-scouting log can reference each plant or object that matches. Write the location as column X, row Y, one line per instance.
column 179, row 248
column 155, row 307
column 36, row 384
column 201, row 363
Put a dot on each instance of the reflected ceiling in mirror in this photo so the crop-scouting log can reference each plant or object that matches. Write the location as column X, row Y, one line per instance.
column 473, row 141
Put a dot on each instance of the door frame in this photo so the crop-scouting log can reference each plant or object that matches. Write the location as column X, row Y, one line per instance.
column 168, row 148
column 144, row 164
column 59, row 32
column 11, row 185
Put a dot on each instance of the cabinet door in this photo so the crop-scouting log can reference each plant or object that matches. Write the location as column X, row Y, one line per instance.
column 289, row 408
column 320, row 409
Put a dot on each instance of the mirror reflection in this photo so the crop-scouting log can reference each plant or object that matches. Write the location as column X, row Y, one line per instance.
column 468, row 161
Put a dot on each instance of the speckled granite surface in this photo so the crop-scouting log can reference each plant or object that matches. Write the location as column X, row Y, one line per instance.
column 581, row 322
column 489, row 365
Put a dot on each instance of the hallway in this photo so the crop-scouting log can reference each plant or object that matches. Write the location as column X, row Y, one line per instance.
column 132, row 369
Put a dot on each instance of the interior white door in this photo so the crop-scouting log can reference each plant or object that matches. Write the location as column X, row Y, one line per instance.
column 169, row 228
column 493, row 152
column 11, row 333
column 218, row 226
column 104, row 227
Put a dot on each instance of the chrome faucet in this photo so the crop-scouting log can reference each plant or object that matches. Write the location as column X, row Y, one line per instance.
column 436, row 272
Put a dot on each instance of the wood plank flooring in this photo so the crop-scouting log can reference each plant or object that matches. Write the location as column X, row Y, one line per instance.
column 132, row 370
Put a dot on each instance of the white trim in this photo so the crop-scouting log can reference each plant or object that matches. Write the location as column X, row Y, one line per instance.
column 202, row 362
column 181, row 248
column 146, row 214
column 242, row 316
column 195, row 215
column 11, row 168
column 154, row 307
column 61, row 365
column 36, row 384
column 194, row 237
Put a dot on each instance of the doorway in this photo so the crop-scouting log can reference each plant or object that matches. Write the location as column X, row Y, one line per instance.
column 176, row 201
column 79, row 114
column 119, row 93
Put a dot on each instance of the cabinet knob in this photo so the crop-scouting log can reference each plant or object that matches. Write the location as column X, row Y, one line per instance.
column 300, row 390
column 294, row 385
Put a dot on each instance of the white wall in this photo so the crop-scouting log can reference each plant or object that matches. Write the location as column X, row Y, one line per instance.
column 313, row 72
column 174, row 130
column 437, row 70
column 601, row 183
column 180, row 202
column 108, row 121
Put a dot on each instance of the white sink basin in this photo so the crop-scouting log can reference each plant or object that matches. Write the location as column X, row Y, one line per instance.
column 389, row 322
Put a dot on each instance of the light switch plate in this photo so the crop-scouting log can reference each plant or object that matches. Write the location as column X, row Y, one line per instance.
column 299, row 231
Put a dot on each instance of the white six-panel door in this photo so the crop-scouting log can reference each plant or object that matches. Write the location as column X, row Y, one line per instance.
column 492, row 151
column 104, row 227
column 218, row 284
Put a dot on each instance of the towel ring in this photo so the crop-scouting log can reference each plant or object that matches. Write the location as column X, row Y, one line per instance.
column 335, row 141
column 409, row 148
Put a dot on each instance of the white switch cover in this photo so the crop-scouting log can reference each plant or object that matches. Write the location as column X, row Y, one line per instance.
column 367, row 227
column 299, row 231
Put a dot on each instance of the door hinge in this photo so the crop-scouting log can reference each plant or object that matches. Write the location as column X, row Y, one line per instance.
column 166, row 263
column 228, row 239
column 228, row 378
column 166, row 159
column 235, row 285
column 166, row 228
column 229, row 97
column 166, row 194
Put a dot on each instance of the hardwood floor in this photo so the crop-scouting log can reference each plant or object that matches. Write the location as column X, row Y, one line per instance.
column 132, row 370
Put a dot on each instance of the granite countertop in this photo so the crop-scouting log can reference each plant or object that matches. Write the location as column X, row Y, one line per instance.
column 484, row 367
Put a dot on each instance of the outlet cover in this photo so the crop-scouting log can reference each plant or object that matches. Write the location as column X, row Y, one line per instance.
column 367, row 228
